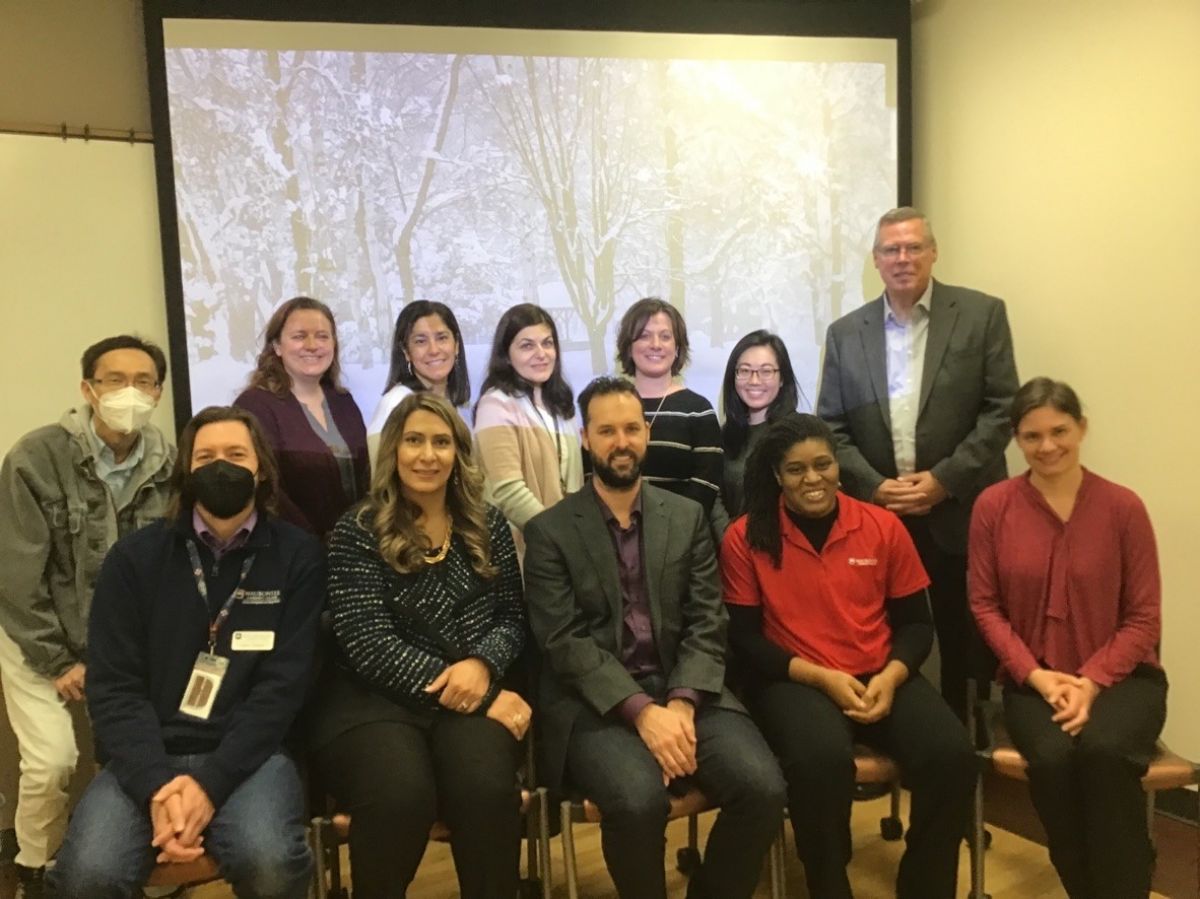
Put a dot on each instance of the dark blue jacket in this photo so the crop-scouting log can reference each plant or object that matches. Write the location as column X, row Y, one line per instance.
column 147, row 625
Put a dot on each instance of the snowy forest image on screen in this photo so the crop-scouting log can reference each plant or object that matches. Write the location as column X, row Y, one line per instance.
column 745, row 192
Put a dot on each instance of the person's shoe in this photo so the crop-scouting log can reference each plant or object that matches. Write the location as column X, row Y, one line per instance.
column 31, row 883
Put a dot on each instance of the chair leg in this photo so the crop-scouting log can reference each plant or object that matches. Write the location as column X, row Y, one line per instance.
column 776, row 860
column 316, row 838
column 978, row 848
column 568, row 846
column 1150, row 794
column 544, row 842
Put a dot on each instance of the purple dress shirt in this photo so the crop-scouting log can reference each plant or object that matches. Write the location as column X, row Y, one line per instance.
column 639, row 653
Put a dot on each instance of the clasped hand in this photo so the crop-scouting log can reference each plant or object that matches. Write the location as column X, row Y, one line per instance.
column 864, row 703
column 462, row 685
column 1071, row 697
column 179, row 812
column 669, row 732
column 910, row 494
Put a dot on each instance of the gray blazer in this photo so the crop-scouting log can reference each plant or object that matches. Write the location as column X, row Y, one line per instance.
column 967, row 387
column 575, row 610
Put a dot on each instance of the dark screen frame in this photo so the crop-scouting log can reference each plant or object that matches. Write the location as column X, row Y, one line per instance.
column 806, row 18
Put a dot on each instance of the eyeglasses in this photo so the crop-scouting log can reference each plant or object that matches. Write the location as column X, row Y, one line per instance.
column 144, row 383
column 893, row 250
column 766, row 375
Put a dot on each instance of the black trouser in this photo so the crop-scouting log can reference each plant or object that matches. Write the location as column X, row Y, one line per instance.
column 396, row 779
column 814, row 741
column 1087, row 789
column 961, row 652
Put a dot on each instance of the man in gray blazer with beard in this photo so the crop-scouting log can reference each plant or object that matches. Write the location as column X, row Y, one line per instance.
column 625, row 604
column 917, row 385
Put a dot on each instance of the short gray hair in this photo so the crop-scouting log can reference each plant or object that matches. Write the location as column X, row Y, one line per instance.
column 904, row 214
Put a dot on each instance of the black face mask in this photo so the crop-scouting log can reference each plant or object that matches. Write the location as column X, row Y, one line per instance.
column 224, row 489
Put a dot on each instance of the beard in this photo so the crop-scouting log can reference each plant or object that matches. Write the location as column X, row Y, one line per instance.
column 617, row 480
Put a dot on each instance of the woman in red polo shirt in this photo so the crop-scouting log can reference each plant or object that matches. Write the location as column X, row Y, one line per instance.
column 1064, row 583
column 829, row 616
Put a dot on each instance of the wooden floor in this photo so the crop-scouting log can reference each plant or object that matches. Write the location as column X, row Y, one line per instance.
column 1016, row 868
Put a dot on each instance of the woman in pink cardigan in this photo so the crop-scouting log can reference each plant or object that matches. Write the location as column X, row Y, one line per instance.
column 1064, row 582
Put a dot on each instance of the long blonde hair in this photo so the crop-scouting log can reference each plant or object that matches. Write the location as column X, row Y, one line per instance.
column 392, row 517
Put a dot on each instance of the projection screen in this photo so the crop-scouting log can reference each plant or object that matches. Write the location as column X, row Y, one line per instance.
column 737, row 175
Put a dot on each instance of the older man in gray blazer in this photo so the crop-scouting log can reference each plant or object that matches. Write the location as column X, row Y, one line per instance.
column 917, row 385
column 624, row 601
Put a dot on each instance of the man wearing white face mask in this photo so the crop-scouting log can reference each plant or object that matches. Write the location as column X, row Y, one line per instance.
column 67, row 492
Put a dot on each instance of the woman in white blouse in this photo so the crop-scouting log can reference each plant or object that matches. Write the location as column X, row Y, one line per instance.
column 427, row 354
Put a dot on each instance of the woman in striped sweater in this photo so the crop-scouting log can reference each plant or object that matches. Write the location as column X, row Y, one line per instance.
column 685, row 454
column 528, row 446
column 412, row 724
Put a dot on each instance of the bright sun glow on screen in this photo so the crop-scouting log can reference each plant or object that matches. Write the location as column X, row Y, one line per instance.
column 739, row 177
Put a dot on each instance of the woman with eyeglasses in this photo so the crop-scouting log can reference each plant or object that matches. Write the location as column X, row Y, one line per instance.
column 528, row 448
column 311, row 420
column 427, row 354
column 1064, row 583
column 759, row 387
column 684, row 453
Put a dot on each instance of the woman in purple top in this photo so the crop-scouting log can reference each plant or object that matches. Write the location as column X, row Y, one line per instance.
column 313, row 423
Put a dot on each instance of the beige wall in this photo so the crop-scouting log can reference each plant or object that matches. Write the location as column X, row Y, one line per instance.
column 1057, row 150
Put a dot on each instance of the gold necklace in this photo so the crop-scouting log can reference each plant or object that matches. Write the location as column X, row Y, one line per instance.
column 432, row 558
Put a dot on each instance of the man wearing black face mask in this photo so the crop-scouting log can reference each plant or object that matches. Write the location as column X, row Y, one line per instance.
column 202, row 638
column 68, row 491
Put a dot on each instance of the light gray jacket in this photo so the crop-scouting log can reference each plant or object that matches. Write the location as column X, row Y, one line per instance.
column 57, row 522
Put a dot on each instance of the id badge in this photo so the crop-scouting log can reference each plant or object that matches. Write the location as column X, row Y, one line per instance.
column 252, row 641
column 203, row 685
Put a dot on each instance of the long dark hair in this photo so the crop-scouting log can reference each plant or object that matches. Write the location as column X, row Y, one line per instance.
column 269, row 373
column 736, row 428
column 556, row 392
column 458, row 384
column 762, row 484
column 182, row 499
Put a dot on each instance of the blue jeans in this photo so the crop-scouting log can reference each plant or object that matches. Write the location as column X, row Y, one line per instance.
column 256, row 837
column 608, row 761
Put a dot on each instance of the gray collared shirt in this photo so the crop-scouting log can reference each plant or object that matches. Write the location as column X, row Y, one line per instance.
column 905, row 350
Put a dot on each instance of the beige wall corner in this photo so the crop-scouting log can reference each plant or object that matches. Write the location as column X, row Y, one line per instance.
column 1056, row 149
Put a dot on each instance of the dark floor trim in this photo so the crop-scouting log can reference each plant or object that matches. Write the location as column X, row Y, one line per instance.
column 1180, row 803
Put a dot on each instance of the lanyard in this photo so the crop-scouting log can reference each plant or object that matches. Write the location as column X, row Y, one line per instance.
column 202, row 589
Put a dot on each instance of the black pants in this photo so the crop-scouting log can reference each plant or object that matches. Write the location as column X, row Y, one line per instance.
column 814, row 741
column 397, row 779
column 1087, row 789
column 608, row 761
column 962, row 652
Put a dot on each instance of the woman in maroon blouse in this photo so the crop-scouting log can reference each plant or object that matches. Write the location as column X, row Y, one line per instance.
column 313, row 423
column 1065, row 586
